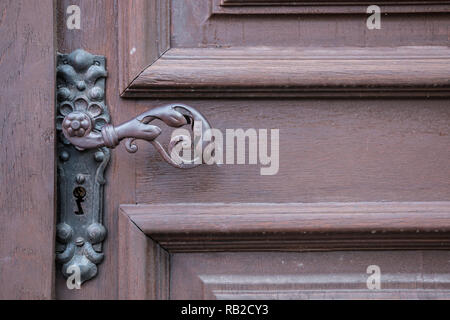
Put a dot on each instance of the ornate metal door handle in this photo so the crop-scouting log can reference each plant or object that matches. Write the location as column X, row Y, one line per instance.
column 78, row 129
column 86, row 135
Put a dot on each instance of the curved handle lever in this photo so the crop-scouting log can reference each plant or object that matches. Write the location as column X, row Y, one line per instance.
column 78, row 127
column 85, row 137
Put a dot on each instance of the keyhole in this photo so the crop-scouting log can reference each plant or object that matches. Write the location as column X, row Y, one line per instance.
column 79, row 194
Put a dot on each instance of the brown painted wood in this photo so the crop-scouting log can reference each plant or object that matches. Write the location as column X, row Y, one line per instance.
column 282, row 275
column 136, row 19
column 309, row 275
column 143, row 265
column 195, row 25
column 294, row 227
column 334, row 148
column 27, row 146
column 323, row 3
column 294, row 72
column 98, row 35
column 325, row 7
column 330, row 151
column 227, row 58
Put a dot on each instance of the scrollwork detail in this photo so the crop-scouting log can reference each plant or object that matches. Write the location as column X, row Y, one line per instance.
column 140, row 128
column 81, row 106
column 86, row 135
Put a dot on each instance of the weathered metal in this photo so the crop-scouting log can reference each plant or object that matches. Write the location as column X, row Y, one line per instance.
column 85, row 137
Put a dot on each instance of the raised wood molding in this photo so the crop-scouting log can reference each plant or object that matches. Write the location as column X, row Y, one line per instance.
column 291, row 72
column 294, row 227
column 417, row 274
column 149, row 68
column 323, row 3
column 144, row 35
column 312, row 286
column 143, row 264
column 150, row 233
column 337, row 294
column 325, row 7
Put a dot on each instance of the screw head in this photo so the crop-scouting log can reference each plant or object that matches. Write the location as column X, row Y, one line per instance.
column 64, row 156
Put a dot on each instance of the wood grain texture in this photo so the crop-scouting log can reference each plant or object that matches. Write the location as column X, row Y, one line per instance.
column 195, row 25
column 293, row 72
column 294, row 227
column 330, row 151
column 204, row 59
column 27, row 148
column 309, row 275
column 350, row 150
column 284, row 275
column 325, row 7
column 98, row 35
column 144, row 35
column 324, row 3
column 143, row 265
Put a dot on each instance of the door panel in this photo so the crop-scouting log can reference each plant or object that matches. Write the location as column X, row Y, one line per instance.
column 283, row 251
column 192, row 49
column 207, row 23
column 309, row 275
column 27, row 147
column 330, row 150
column 364, row 125
column 98, row 34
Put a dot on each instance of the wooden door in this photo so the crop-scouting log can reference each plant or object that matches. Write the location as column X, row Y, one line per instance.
column 27, row 165
column 364, row 148
column 360, row 205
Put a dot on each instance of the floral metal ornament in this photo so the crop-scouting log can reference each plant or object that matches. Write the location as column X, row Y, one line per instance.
column 81, row 110
column 85, row 135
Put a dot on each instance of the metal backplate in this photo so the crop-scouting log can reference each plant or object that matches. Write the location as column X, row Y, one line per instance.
column 85, row 137
column 80, row 233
